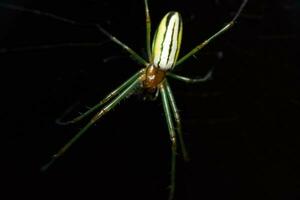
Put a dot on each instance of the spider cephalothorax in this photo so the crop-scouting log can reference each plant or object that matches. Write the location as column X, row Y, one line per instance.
column 152, row 77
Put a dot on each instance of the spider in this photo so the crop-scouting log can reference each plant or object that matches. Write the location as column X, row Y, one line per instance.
column 152, row 78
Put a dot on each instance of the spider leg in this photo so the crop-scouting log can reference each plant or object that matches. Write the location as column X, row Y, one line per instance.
column 133, row 54
column 222, row 30
column 175, row 111
column 148, row 31
column 171, row 128
column 125, row 93
column 191, row 80
column 101, row 103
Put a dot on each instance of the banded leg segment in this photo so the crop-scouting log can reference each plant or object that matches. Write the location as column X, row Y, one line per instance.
column 222, row 30
column 102, row 102
column 125, row 93
column 177, row 120
column 171, row 129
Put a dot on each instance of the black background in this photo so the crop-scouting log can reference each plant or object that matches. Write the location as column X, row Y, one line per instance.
column 241, row 128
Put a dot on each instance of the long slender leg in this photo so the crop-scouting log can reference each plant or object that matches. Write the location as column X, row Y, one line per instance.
column 222, row 30
column 134, row 55
column 102, row 102
column 177, row 120
column 127, row 92
column 148, row 31
column 171, row 128
column 191, row 80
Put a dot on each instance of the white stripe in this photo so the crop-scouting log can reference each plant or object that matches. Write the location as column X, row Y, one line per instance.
column 163, row 64
column 165, row 55
column 174, row 46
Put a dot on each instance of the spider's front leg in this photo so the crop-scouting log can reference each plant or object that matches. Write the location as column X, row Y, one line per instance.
column 214, row 36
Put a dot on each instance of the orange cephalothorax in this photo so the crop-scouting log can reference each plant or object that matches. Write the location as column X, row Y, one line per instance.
column 153, row 77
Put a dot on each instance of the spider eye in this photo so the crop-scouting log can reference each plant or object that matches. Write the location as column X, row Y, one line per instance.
column 167, row 40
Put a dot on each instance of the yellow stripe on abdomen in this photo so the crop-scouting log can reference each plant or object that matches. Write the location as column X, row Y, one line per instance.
column 167, row 41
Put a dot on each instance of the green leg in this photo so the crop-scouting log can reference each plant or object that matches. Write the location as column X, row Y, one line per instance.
column 133, row 54
column 127, row 92
column 171, row 128
column 148, row 31
column 101, row 103
column 191, row 80
column 177, row 120
column 222, row 30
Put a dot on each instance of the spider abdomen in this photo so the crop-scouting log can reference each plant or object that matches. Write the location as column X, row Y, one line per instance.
column 167, row 41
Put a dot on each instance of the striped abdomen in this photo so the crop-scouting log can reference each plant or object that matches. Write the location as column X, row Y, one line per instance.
column 166, row 42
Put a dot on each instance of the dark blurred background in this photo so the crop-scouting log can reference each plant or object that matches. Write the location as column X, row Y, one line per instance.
column 241, row 128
